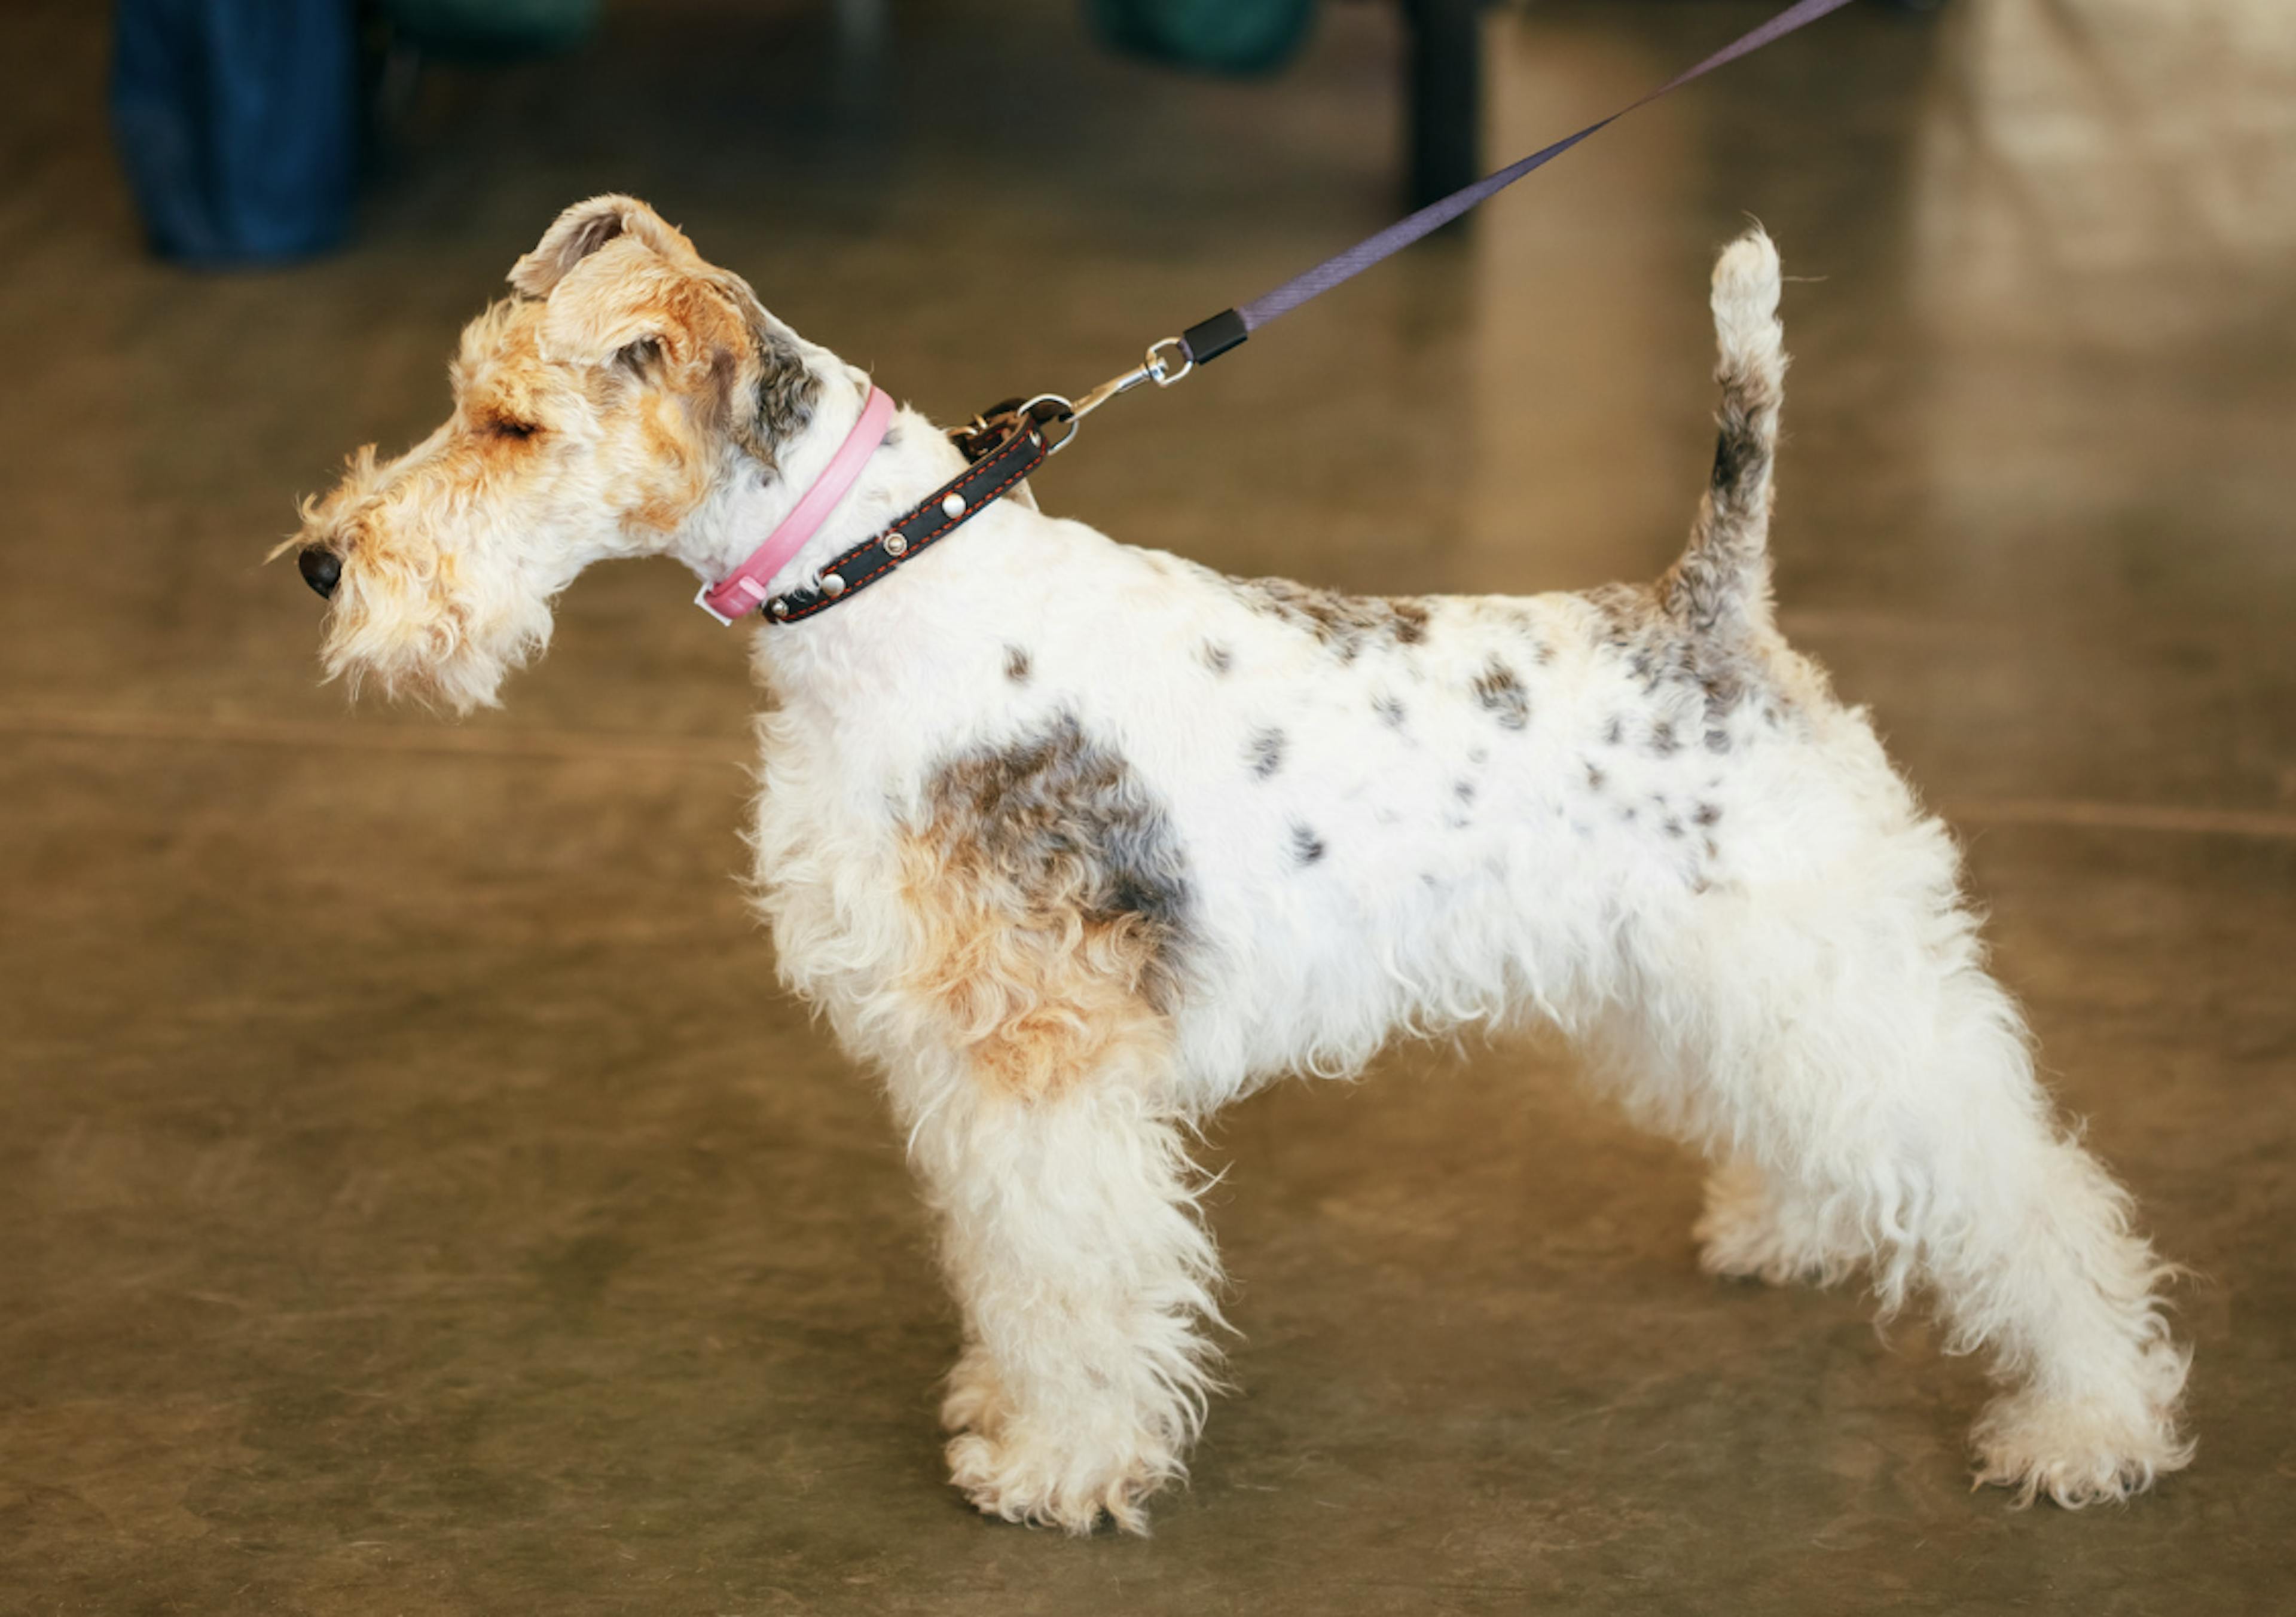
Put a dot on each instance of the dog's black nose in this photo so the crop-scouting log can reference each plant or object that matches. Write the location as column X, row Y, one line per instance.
column 321, row 569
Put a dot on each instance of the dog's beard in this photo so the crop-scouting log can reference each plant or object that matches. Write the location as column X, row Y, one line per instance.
column 441, row 653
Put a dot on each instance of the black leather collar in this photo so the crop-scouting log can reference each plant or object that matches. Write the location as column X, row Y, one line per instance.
column 1004, row 445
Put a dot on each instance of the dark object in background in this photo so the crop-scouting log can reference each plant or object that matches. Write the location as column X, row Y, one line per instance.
column 490, row 31
column 1446, row 103
column 237, row 122
column 1443, row 81
column 1221, row 36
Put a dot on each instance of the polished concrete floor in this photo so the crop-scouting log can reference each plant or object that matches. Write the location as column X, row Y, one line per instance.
column 394, row 1219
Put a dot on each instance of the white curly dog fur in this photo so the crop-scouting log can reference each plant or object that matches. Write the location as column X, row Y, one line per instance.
column 1076, row 843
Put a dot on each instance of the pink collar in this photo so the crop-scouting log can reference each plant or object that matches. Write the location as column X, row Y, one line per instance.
column 739, row 594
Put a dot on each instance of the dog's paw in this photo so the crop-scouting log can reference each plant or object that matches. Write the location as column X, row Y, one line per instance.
column 1021, row 1474
column 2085, row 1451
column 1744, row 1234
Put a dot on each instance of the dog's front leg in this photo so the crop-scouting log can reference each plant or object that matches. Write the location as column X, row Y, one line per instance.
column 1070, row 1240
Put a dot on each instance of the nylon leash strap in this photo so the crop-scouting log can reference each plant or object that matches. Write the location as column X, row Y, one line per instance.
column 1004, row 445
column 1173, row 357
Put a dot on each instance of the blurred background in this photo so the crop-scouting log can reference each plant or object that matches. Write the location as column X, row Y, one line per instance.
column 392, row 1218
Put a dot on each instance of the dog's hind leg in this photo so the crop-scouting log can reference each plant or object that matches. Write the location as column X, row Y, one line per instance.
column 2028, row 1244
column 1070, row 1240
column 1843, row 1035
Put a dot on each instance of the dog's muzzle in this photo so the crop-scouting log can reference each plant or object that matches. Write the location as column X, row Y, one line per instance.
column 323, row 570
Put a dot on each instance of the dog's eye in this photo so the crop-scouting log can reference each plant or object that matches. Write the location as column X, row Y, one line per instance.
column 502, row 427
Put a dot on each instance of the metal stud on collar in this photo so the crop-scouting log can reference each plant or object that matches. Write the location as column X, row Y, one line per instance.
column 993, row 471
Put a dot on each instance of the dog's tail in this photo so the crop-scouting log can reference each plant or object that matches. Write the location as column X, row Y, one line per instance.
column 1723, row 581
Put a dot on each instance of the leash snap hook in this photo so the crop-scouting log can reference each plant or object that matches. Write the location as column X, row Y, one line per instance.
column 1160, row 368
column 1166, row 361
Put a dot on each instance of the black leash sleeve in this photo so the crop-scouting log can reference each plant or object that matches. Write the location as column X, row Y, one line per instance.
column 1208, row 339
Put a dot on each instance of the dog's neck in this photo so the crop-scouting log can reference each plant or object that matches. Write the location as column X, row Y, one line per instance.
column 914, row 459
column 751, row 498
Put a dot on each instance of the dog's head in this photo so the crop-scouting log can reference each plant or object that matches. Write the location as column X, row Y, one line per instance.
column 596, row 410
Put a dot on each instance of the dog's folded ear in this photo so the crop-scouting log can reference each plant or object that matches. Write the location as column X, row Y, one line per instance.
column 625, row 289
column 625, row 303
column 585, row 227
column 679, row 324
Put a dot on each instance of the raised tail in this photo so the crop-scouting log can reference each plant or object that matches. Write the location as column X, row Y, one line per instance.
column 1723, row 581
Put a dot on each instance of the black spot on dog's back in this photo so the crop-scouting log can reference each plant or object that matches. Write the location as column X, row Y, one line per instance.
column 1500, row 691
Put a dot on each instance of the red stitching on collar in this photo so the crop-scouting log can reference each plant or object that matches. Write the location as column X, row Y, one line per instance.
column 984, row 466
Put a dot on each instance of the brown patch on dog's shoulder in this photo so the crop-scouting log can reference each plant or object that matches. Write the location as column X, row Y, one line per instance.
column 1050, row 903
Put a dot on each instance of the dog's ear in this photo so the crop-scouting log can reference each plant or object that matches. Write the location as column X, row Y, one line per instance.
column 697, row 330
column 585, row 227
column 625, row 302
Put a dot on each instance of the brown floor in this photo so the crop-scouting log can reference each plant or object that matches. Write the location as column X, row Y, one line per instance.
column 392, row 1219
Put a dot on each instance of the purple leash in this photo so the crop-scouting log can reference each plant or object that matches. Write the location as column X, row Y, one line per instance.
column 1009, row 441
column 1173, row 357
column 1207, row 339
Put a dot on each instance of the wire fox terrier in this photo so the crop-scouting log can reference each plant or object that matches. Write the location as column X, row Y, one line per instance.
column 1075, row 842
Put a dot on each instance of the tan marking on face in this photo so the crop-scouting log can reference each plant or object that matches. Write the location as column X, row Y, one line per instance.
column 675, row 476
